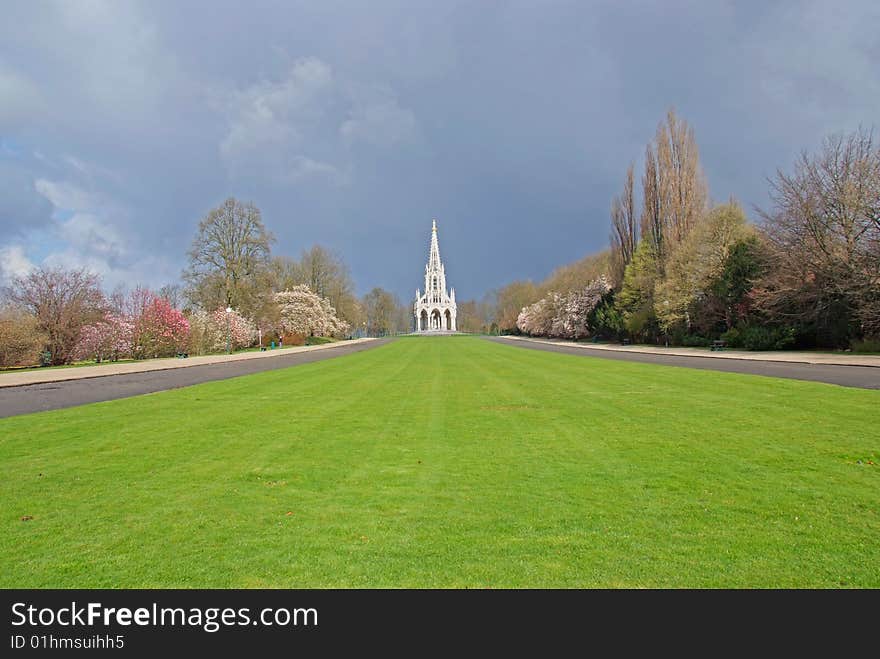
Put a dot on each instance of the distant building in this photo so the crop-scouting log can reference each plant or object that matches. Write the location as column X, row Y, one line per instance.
column 435, row 310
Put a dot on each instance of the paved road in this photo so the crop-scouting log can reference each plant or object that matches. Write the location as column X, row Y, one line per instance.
column 55, row 395
column 862, row 377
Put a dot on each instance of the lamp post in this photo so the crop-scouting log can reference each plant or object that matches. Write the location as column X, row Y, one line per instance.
column 666, row 332
column 228, row 331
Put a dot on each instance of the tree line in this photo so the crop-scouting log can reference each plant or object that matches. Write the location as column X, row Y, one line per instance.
column 679, row 269
column 233, row 294
column 683, row 270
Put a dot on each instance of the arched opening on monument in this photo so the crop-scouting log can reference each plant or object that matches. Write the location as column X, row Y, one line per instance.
column 436, row 320
column 423, row 321
column 448, row 320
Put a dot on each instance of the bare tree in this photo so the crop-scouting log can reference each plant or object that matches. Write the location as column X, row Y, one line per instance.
column 173, row 293
column 652, row 204
column 468, row 319
column 381, row 312
column 510, row 301
column 230, row 250
column 824, row 233
column 20, row 338
column 475, row 316
column 623, row 224
column 323, row 271
column 576, row 275
column 674, row 187
column 284, row 273
column 326, row 273
column 62, row 301
column 682, row 179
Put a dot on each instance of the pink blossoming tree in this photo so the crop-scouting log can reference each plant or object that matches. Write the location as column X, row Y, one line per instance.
column 160, row 330
column 108, row 339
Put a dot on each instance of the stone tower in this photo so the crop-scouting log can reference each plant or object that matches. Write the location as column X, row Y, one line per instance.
column 435, row 310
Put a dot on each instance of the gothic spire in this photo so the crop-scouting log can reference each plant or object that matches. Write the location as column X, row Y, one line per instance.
column 434, row 257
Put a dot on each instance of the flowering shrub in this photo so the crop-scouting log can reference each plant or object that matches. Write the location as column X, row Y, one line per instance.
column 563, row 315
column 304, row 312
column 160, row 330
column 208, row 331
column 150, row 327
column 536, row 319
column 109, row 338
column 242, row 331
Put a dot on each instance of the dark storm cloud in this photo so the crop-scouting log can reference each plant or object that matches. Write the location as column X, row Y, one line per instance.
column 353, row 124
column 22, row 208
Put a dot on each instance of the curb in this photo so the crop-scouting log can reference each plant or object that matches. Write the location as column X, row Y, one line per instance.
column 648, row 351
column 183, row 364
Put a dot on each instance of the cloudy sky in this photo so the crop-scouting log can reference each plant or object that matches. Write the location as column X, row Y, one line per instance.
column 353, row 124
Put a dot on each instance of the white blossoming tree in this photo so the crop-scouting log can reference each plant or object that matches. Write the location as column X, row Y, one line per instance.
column 209, row 331
column 304, row 312
column 563, row 315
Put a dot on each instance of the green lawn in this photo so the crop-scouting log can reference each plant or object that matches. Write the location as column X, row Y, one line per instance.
column 450, row 462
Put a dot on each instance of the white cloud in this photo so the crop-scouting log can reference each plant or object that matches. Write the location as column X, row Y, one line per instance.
column 90, row 170
column 298, row 127
column 13, row 263
column 146, row 270
column 71, row 259
column 302, row 168
column 269, row 120
column 89, row 229
column 89, row 234
column 65, row 195
column 379, row 120
column 86, row 225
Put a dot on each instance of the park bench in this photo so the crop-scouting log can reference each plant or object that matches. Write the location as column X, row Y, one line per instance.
column 182, row 355
column 718, row 345
column 625, row 342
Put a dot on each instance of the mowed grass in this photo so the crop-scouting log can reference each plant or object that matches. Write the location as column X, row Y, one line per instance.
column 450, row 462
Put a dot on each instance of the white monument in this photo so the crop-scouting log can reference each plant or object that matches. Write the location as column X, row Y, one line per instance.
column 435, row 310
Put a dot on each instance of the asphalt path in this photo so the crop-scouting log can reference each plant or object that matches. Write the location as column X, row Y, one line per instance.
column 56, row 395
column 861, row 377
